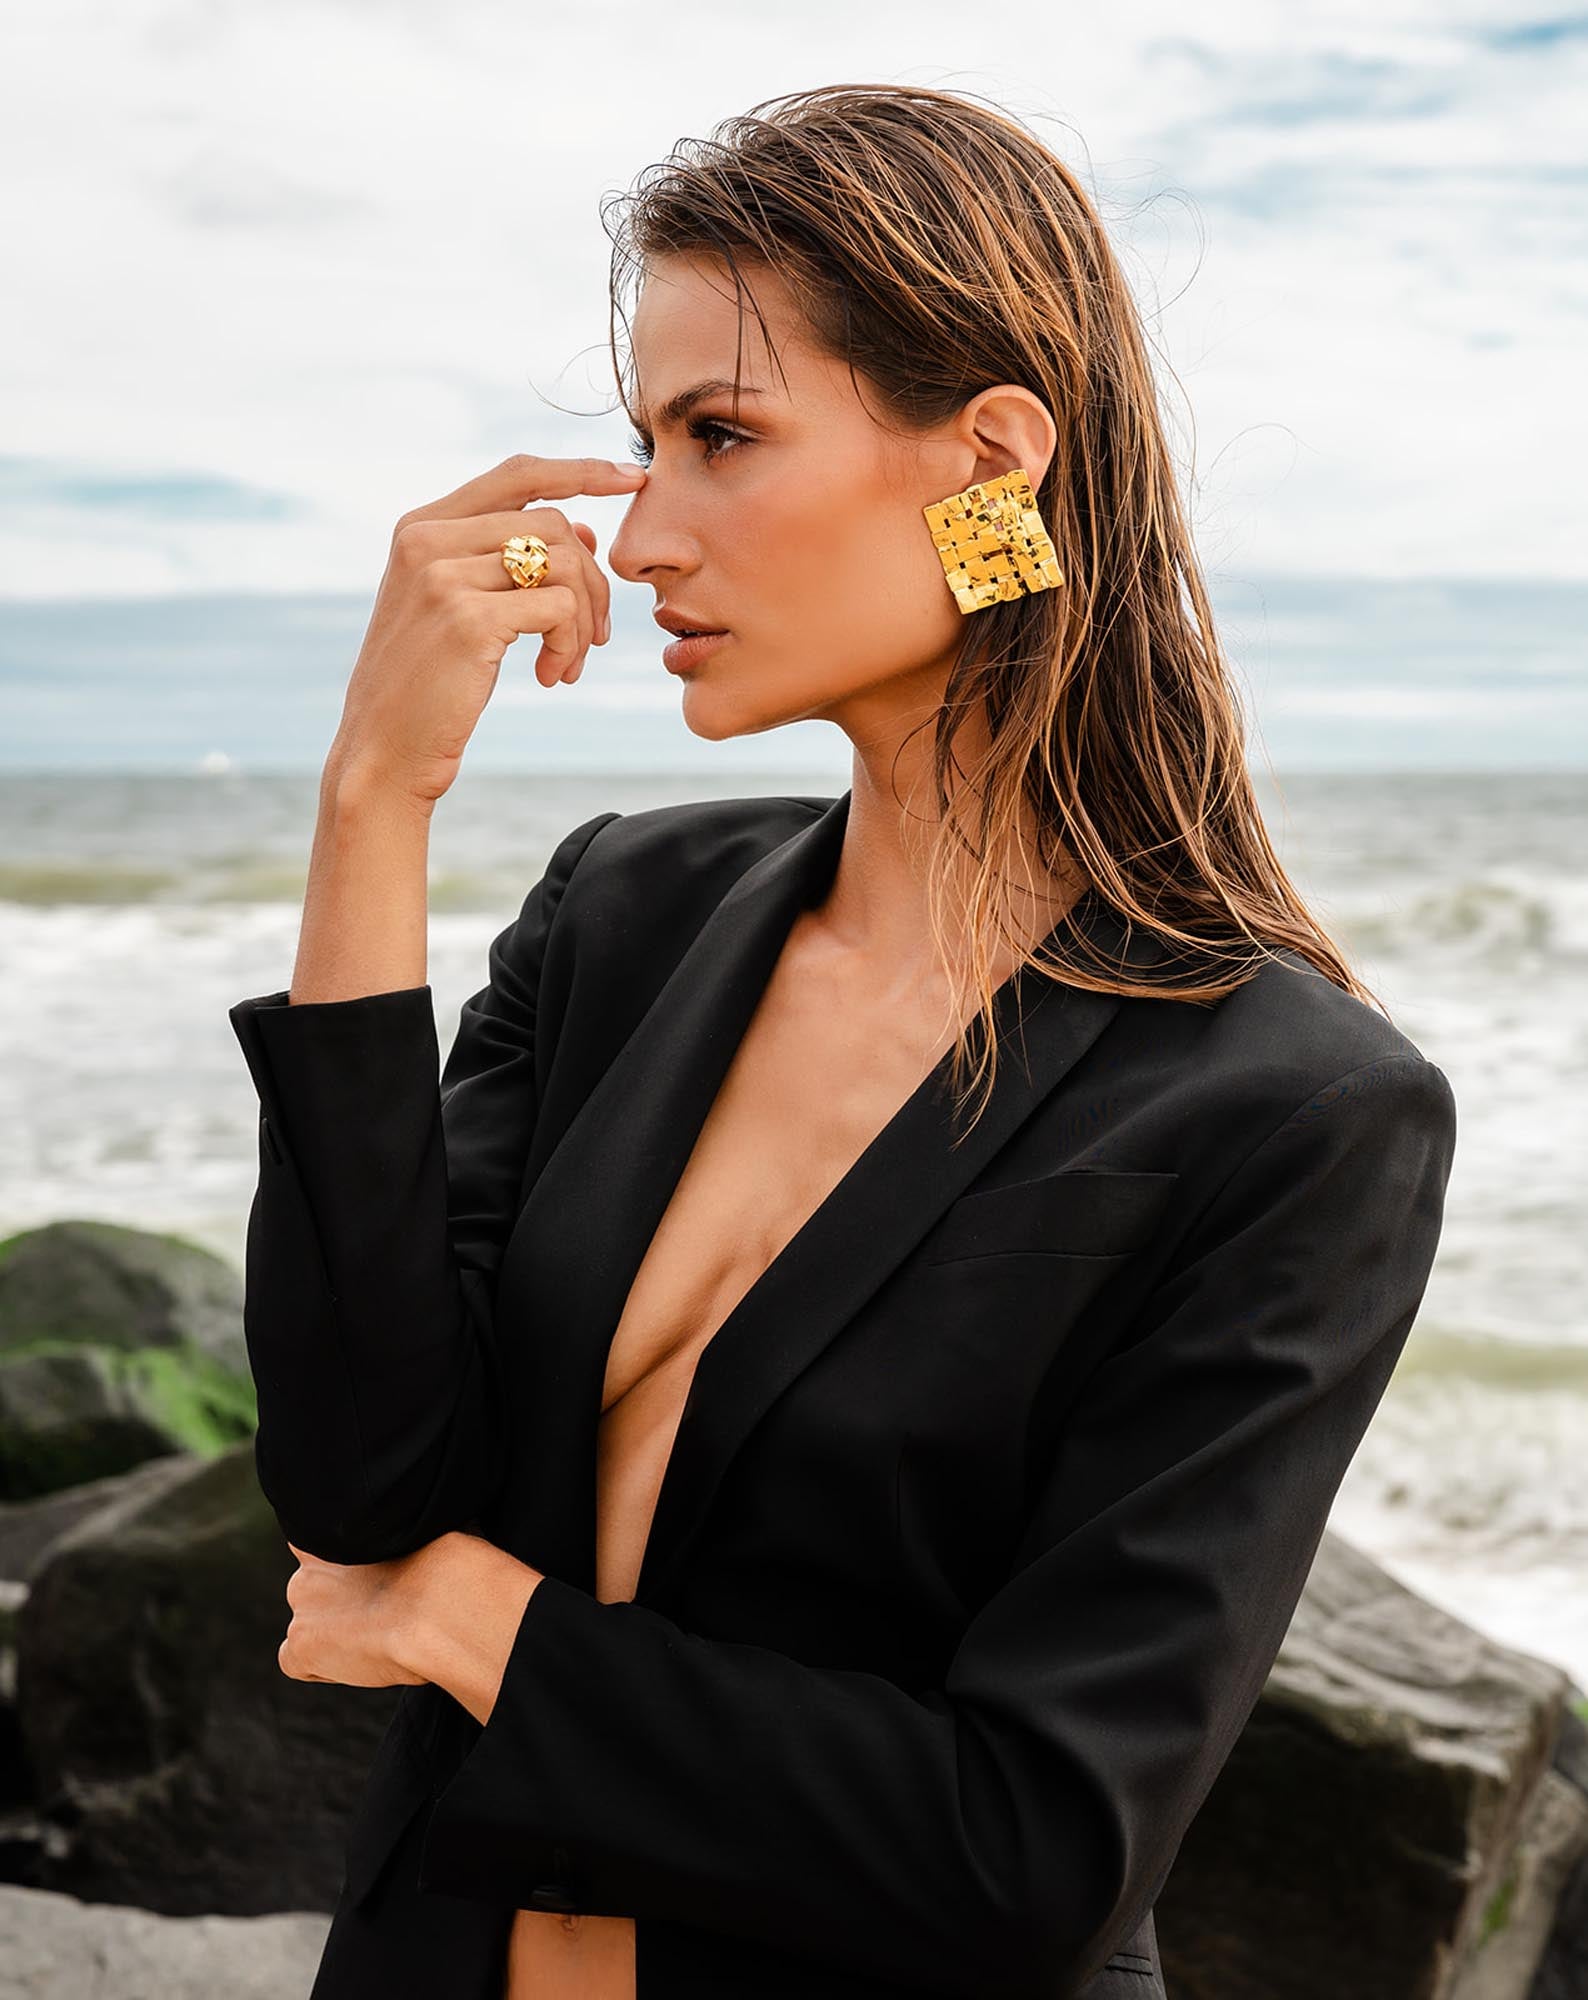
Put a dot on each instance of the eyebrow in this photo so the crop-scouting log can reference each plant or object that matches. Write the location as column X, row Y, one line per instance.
column 678, row 407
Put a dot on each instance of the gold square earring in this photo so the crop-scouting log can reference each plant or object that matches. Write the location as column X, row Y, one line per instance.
column 992, row 541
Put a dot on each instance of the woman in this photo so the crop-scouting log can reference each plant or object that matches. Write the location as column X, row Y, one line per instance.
column 829, row 1408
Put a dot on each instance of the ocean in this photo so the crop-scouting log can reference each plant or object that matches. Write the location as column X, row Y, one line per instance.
column 135, row 908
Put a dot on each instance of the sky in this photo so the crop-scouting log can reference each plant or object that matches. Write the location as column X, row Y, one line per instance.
column 286, row 271
column 280, row 273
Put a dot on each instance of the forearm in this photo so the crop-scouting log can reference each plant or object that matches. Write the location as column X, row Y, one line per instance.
column 385, row 1197
column 367, row 1341
column 464, row 1600
column 365, row 908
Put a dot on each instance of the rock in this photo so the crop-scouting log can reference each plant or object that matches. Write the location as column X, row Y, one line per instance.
column 29, row 1528
column 106, row 1285
column 1560, row 1865
column 55, row 1948
column 181, row 1769
column 117, row 1346
column 1387, row 1813
column 14, row 1775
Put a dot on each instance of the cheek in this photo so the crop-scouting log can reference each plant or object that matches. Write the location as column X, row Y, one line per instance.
column 838, row 567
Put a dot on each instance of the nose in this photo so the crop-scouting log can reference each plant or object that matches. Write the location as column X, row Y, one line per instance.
column 651, row 542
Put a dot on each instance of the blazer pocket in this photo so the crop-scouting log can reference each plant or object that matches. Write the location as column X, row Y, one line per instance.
column 1079, row 1212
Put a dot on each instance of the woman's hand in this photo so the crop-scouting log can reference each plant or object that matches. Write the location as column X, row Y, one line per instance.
column 352, row 1622
column 447, row 611
column 447, row 1614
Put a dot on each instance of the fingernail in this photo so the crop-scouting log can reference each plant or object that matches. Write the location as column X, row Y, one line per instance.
column 606, row 627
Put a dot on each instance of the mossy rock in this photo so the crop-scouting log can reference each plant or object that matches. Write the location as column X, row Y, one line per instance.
column 102, row 1284
column 116, row 1346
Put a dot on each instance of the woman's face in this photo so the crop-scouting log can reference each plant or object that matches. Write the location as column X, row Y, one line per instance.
column 797, row 529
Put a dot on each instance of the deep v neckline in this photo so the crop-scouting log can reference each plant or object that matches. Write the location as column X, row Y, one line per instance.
column 596, row 1199
column 854, row 1169
column 922, row 1096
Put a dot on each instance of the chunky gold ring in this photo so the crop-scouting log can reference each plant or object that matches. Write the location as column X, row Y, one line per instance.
column 527, row 561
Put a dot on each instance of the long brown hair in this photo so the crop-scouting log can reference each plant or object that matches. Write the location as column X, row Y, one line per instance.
column 939, row 247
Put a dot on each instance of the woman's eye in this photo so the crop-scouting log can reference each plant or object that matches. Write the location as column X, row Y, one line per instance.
column 704, row 428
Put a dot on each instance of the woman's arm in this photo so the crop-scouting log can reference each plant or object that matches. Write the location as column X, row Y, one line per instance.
column 364, row 925
column 1005, row 1832
column 458, row 1605
column 383, row 1205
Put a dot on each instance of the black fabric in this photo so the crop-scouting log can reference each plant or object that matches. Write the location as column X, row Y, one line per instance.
column 992, row 1499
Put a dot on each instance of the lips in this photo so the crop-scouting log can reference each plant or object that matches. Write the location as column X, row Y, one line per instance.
column 683, row 627
column 680, row 654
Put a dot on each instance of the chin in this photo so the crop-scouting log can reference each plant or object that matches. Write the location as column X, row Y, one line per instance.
column 716, row 718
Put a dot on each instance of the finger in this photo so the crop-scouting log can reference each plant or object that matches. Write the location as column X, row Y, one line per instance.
column 573, row 564
column 597, row 593
column 573, row 568
column 559, row 613
column 566, row 541
column 570, row 551
column 418, row 541
column 527, row 477
column 601, row 592
column 551, row 612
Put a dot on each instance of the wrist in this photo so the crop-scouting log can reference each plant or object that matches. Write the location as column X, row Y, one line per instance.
column 430, row 1587
column 465, row 1599
column 354, row 783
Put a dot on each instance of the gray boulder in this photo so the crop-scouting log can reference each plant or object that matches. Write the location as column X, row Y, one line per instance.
column 29, row 1529
column 175, row 1765
column 1401, row 1819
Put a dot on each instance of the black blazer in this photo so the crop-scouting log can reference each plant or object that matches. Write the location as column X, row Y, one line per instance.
column 990, row 1504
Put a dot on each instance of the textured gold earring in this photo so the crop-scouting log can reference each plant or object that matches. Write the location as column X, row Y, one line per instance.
column 992, row 541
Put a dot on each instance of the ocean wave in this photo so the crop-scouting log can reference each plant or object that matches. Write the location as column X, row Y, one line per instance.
column 1443, row 1353
column 79, row 884
column 1464, row 1471
column 42, row 884
column 1490, row 920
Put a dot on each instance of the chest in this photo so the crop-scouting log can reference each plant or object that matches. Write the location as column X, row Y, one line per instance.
column 810, row 1086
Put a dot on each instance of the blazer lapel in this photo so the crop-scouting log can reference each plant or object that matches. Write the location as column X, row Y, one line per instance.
column 595, row 1206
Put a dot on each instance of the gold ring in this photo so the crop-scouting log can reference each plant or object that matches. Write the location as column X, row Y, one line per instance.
column 527, row 561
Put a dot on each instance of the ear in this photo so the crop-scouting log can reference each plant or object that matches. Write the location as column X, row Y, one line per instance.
column 1008, row 426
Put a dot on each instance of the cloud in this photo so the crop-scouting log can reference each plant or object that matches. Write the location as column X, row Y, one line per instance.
column 176, row 499
column 1528, row 36
column 286, row 273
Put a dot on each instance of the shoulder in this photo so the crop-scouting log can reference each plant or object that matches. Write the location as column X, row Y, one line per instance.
column 716, row 838
column 1289, row 1043
column 644, row 882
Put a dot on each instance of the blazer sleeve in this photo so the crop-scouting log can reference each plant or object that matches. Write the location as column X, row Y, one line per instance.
column 1003, row 1833
column 384, row 1200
